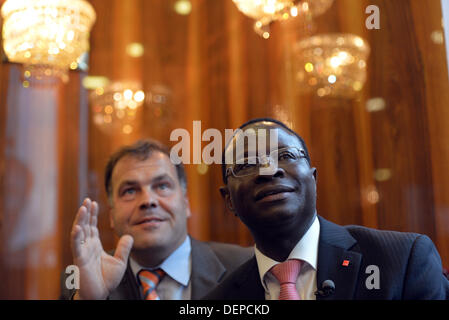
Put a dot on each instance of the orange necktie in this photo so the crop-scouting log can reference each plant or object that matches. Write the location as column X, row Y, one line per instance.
column 149, row 279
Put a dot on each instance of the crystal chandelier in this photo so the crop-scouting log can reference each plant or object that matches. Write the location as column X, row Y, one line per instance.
column 267, row 11
column 116, row 106
column 332, row 64
column 47, row 36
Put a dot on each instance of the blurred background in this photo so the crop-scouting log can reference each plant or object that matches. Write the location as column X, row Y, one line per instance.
column 367, row 88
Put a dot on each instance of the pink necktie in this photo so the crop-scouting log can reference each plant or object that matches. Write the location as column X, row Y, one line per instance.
column 287, row 274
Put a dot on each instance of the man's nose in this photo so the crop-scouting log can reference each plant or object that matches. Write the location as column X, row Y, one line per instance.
column 148, row 199
column 276, row 172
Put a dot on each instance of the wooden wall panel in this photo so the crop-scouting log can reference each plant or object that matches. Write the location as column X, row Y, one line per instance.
column 72, row 158
column 435, row 100
column 401, row 134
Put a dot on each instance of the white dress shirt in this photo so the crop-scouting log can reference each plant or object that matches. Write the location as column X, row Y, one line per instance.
column 176, row 284
column 306, row 250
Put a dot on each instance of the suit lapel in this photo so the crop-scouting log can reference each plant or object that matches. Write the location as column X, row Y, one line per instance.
column 247, row 282
column 128, row 288
column 207, row 270
column 336, row 262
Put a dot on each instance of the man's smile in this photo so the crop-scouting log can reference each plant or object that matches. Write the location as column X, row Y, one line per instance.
column 273, row 193
column 150, row 221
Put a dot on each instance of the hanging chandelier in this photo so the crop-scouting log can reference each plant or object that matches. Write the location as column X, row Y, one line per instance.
column 332, row 64
column 267, row 11
column 116, row 106
column 47, row 36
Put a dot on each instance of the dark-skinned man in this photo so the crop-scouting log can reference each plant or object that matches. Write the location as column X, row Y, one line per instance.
column 300, row 255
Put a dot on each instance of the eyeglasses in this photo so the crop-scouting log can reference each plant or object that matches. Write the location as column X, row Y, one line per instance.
column 248, row 166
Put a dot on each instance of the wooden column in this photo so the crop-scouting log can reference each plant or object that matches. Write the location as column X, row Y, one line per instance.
column 36, row 200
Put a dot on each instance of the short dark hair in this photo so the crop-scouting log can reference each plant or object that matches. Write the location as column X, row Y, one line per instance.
column 141, row 150
column 283, row 125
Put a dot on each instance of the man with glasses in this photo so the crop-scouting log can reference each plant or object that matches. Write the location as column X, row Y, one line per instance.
column 300, row 255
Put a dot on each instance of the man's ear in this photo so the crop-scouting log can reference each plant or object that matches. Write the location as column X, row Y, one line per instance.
column 227, row 198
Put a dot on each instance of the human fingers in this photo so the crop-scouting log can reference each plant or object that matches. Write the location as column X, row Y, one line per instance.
column 94, row 220
column 79, row 215
column 76, row 240
column 86, row 218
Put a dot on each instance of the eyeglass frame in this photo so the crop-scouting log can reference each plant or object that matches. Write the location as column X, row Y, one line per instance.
column 230, row 170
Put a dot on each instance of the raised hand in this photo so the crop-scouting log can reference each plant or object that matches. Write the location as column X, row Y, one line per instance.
column 100, row 273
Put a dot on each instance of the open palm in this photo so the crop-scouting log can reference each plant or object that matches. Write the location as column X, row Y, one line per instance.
column 100, row 273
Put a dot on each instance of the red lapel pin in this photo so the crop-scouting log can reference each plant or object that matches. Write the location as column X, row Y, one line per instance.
column 345, row 263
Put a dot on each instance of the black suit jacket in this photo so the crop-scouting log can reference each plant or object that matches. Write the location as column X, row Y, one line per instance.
column 409, row 267
column 211, row 262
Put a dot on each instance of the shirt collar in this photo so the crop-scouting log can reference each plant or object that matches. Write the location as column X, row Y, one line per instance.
column 177, row 265
column 306, row 250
